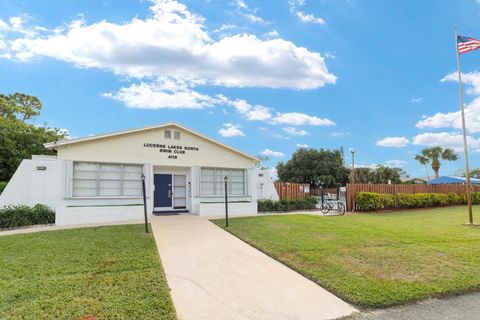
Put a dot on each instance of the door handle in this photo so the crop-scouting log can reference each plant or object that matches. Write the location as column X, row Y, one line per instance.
column 169, row 194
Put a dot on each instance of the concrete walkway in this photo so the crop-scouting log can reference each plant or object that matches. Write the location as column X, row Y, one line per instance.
column 214, row 275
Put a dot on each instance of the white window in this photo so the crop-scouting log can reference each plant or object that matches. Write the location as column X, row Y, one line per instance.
column 168, row 134
column 106, row 180
column 176, row 135
column 212, row 182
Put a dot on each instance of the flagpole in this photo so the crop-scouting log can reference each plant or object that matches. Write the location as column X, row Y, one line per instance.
column 465, row 147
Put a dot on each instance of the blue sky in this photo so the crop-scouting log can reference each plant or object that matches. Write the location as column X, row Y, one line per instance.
column 377, row 76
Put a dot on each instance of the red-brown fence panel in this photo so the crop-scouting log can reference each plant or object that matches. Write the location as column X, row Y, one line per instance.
column 290, row 190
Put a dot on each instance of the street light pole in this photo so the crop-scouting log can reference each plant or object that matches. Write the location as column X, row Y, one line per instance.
column 352, row 151
column 226, row 200
column 144, row 203
column 353, row 165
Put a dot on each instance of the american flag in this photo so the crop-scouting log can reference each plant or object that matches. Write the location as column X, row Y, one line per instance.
column 466, row 44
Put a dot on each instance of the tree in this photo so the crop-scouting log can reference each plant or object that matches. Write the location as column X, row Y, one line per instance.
column 317, row 167
column 18, row 139
column 474, row 173
column 19, row 104
column 381, row 174
column 433, row 155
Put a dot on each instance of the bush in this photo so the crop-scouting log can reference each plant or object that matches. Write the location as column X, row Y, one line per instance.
column 3, row 185
column 371, row 201
column 287, row 204
column 21, row 216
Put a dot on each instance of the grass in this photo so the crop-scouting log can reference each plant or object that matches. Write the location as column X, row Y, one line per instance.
column 91, row 273
column 374, row 260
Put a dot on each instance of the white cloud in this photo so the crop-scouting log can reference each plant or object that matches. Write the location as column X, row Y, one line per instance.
column 393, row 142
column 295, row 132
column 416, row 100
column 453, row 119
column 339, row 134
column 308, row 17
column 224, row 27
column 271, row 153
column 161, row 95
column 371, row 165
column 300, row 145
column 241, row 4
column 301, row 15
column 298, row 119
column 446, row 139
column 257, row 112
column 274, row 34
column 329, row 55
column 173, row 42
column 470, row 79
column 231, row 130
column 395, row 163
column 253, row 18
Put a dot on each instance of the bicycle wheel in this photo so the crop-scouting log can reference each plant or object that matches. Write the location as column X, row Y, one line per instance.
column 340, row 208
column 325, row 208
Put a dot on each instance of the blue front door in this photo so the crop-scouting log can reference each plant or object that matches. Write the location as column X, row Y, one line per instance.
column 162, row 196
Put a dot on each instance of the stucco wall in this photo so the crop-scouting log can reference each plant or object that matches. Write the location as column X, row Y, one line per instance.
column 30, row 186
column 265, row 187
column 129, row 148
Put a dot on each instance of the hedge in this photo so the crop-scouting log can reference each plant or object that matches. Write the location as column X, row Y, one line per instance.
column 21, row 216
column 287, row 204
column 371, row 201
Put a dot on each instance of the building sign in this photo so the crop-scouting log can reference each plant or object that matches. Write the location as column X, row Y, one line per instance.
column 172, row 150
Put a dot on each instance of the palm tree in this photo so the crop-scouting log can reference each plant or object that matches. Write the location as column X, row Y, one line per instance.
column 433, row 155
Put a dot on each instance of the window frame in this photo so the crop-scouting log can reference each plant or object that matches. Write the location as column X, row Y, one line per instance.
column 220, row 181
column 98, row 180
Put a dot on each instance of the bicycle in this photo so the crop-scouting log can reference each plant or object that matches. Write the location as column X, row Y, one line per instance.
column 336, row 205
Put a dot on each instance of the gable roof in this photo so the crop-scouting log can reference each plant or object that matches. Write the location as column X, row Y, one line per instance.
column 53, row 145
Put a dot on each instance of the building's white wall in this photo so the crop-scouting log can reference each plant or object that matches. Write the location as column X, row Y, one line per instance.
column 96, row 214
column 30, row 186
column 234, row 209
column 264, row 186
column 129, row 148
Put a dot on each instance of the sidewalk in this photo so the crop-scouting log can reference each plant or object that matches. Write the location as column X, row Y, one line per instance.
column 214, row 275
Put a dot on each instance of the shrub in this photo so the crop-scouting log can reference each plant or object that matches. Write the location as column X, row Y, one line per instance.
column 268, row 205
column 370, row 201
column 21, row 216
column 3, row 185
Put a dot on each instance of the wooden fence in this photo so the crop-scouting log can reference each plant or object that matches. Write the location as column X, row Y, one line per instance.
column 287, row 190
column 353, row 189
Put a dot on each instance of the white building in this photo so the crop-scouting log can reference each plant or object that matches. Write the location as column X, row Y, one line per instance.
column 98, row 178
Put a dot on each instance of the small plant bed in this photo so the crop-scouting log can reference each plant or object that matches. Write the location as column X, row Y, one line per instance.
column 374, row 260
column 12, row 217
column 90, row 273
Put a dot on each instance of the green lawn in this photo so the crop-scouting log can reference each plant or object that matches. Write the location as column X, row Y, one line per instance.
column 91, row 273
column 374, row 260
